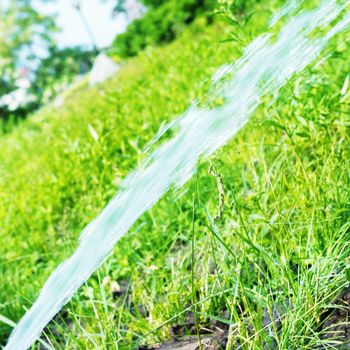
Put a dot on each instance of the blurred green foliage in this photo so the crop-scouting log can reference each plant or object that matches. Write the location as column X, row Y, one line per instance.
column 21, row 27
column 59, row 69
column 163, row 21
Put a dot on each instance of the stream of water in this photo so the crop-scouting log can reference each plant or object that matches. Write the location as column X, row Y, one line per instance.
column 267, row 63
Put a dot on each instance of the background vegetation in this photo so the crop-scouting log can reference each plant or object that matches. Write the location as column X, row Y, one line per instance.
column 28, row 50
column 163, row 21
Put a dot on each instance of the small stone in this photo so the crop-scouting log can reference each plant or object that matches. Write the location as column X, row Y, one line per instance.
column 106, row 280
column 115, row 287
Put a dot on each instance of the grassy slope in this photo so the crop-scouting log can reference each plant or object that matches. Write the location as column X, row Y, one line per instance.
column 282, row 239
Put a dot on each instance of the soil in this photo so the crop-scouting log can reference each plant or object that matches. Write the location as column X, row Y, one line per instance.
column 335, row 326
column 212, row 342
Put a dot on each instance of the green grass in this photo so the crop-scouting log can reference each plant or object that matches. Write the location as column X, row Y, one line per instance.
column 280, row 243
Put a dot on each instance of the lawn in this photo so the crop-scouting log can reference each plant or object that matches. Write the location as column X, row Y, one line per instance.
column 254, row 247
